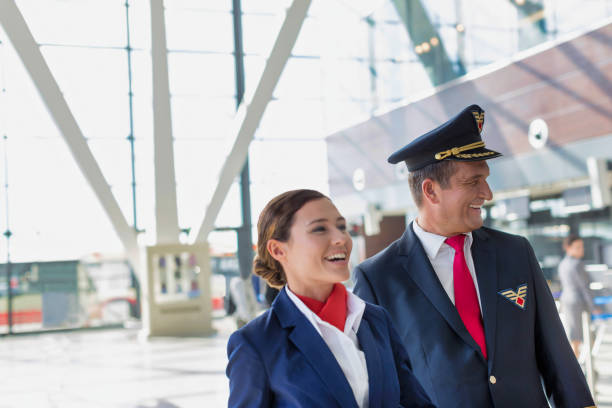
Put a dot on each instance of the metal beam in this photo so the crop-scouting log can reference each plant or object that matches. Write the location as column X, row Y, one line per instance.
column 421, row 31
column 532, row 29
column 20, row 36
column 245, row 239
column 166, row 213
column 250, row 111
column 533, row 12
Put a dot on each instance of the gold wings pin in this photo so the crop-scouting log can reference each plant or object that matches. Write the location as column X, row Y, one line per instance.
column 518, row 297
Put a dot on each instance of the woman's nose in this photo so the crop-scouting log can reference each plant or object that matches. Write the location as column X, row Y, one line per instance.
column 340, row 237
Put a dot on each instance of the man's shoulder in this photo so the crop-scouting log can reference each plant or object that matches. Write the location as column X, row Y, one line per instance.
column 382, row 258
column 499, row 236
column 376, row 315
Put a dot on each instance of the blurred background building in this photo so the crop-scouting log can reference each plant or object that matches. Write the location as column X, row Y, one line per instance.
column 119, row 123
column 363, row 78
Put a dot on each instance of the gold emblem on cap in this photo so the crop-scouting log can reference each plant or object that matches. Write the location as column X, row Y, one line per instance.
column 479, row 120
column 456, row 151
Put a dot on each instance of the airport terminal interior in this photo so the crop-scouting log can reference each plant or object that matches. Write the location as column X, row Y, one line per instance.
column 141, row 139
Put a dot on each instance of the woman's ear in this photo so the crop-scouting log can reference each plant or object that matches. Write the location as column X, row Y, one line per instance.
column 429, row 188
column 277, row 250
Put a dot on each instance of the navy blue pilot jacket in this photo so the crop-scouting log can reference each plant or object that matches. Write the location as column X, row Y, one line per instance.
column 526, row 343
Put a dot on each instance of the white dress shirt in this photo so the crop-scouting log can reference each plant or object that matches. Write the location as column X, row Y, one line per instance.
column 344, row 346
column 441, row 256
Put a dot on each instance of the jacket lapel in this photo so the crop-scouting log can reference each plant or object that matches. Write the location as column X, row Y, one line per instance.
column 417, row 266
column 483, row 254
column 312, row 347
column 373, row 363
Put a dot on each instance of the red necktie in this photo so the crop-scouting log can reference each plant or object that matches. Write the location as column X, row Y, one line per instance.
column 466, row 300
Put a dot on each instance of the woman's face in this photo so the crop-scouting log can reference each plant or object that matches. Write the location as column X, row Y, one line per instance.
column 319, row 246
column 576, row 249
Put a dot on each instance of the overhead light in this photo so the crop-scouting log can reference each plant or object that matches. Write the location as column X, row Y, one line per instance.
column 460, row 27
column 555, row 230
column 364, row 8
column 596, row 268
column 418, row 49
column 359, row 179
column 425, row 47
column 537, row 133
column 598, row 180
column 596, row 286
column 519, row 2
column 512, row 217
column 576, row 208
column 434, row 41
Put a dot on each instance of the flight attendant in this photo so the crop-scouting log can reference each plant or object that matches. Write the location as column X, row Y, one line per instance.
column 576, row 297
column 318, row 345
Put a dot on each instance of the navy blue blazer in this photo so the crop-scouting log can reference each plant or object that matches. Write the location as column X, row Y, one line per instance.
column 280, row 360
column 525, row 340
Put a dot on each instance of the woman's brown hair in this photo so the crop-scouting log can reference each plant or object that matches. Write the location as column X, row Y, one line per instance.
column 570, row 239
column 275, row 222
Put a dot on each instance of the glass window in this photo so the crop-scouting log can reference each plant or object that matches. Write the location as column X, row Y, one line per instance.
column 203, row 118
column 199, row 31
column 259, row 32
column 301, row 78
column 201, row 74
column 292, row 119
column 76, row 22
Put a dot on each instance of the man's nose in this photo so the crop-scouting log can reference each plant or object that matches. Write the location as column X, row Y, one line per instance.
column 487, row 193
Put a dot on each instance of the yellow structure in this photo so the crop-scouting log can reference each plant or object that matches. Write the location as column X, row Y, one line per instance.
column 178, row 295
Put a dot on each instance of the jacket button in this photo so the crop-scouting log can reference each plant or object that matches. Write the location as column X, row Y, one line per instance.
column 492, row 379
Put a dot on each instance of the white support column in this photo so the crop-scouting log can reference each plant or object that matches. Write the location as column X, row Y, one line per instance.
column 166, row 213
column 250, row 112
column 18, row 32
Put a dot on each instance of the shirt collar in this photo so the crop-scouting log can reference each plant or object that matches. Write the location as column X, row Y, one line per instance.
column 355, row 308
column 433, row 242
column 333, row 310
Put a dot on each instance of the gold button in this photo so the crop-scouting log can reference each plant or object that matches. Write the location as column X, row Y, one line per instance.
column 492, row 379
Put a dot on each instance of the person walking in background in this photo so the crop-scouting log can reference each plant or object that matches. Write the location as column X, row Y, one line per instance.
column 471, row 304
column 576, row 296
column 318, row 345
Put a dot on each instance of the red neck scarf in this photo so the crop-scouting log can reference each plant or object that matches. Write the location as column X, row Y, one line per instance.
column 333, row 310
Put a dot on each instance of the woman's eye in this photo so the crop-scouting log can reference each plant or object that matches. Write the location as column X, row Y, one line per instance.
column 319, row 229
column 342, row 227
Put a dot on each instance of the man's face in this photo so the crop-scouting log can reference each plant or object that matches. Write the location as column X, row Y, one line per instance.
column 459, row 205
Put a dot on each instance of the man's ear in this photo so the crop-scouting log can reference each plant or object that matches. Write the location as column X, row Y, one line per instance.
column 276, row 249
column 430, row 190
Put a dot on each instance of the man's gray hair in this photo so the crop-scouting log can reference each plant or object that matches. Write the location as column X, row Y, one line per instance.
column 440, row 172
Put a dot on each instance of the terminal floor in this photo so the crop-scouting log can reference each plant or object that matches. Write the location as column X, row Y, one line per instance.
column 118, row 369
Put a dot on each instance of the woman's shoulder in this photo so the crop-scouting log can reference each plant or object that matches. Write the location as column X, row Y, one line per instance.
column 258, row 331
column 568, row 263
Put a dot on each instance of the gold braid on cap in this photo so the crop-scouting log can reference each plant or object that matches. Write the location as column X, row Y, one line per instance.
column 456, row 151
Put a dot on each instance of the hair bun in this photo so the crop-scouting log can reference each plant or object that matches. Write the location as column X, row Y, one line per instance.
column 272, row 274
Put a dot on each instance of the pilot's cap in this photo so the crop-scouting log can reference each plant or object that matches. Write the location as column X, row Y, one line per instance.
column 457, row 139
